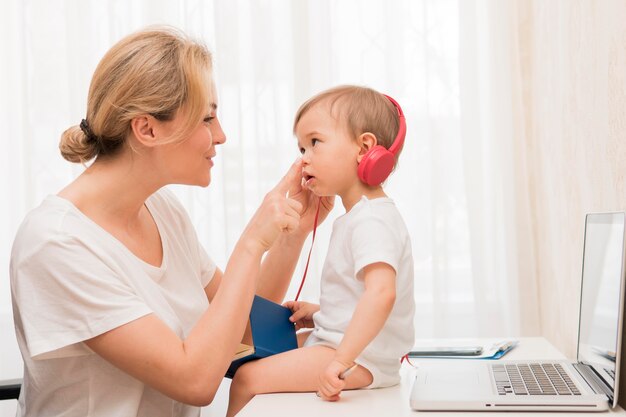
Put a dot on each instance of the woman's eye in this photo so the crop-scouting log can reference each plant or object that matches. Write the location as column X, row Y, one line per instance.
column 208, row 119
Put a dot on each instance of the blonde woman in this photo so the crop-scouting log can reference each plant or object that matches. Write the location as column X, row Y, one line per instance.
column 118, row 309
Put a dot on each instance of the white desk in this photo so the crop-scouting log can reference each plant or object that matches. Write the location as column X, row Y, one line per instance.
column 392, row 401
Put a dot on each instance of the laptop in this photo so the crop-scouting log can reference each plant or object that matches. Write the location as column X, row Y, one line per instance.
column 589, row 384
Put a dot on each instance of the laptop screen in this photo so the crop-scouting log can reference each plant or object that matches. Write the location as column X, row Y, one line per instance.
column 600, row 300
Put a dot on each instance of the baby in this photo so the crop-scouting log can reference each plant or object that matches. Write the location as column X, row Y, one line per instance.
column 350, row 138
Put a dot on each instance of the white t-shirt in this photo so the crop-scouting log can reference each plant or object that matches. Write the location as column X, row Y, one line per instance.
column 71, row 280
column 372, row 231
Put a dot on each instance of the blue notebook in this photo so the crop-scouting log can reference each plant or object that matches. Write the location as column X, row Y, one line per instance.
column 269, row 332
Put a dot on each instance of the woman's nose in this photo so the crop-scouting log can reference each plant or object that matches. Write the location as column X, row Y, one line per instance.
column 218, row 134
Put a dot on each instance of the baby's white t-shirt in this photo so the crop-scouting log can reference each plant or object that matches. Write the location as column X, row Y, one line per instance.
column 71, row 281
column 372, row 231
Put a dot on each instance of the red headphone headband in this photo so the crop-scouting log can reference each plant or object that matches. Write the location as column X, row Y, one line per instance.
column 399, row 140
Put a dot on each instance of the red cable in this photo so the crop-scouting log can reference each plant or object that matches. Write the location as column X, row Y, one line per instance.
column 406, row 358
column 306, row 268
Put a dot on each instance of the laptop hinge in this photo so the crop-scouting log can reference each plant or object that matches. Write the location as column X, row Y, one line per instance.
column 595, row 381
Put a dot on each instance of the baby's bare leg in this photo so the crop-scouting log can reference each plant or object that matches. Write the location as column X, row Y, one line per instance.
column 293, row 371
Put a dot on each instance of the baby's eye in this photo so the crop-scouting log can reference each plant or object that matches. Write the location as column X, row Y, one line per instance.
column 314, row 141
column 302, row 151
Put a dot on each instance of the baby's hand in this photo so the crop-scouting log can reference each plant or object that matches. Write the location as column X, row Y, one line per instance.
column 330, row 383
column 302, row 313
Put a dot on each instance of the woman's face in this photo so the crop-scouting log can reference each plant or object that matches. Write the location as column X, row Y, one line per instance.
column 190, row 161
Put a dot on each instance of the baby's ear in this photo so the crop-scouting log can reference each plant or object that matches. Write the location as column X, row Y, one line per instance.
column 366, row 142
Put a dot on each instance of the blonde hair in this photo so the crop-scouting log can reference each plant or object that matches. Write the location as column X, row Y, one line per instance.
column 156, row 71
column 362, row 109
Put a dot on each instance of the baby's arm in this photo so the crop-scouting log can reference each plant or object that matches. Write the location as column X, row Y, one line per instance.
column 368, row 319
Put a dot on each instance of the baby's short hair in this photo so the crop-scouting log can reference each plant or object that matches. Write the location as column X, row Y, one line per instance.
column 361, row 109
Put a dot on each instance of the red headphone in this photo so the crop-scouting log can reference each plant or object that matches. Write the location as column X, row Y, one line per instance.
column 378, row 162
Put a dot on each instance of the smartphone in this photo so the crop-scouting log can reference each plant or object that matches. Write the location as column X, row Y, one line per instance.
column 446, row 351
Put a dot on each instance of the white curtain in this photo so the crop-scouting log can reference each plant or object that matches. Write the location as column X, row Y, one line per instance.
column 450, row 64
column 495, row 173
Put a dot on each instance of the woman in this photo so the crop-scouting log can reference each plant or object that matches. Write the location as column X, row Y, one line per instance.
column 118, row 309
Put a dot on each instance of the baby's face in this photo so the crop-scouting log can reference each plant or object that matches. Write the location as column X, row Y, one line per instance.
column 328, row 152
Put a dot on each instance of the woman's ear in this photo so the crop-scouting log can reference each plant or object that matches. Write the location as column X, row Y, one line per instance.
column 366, row 142
column 144, row 130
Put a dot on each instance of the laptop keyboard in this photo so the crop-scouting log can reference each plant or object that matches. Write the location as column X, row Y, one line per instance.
column 533, row 379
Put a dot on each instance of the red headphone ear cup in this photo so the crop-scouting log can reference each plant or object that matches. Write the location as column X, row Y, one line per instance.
column 376, row 165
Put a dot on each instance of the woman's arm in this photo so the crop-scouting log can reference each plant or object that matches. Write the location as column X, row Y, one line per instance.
column 281, row 260
column 191, row 370
column 278, row 266
column 187, row 370
column 211, row 289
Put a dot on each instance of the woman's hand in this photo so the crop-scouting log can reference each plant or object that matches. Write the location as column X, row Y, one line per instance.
column 309, row 201
column 302, row 313
column 277, row 213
